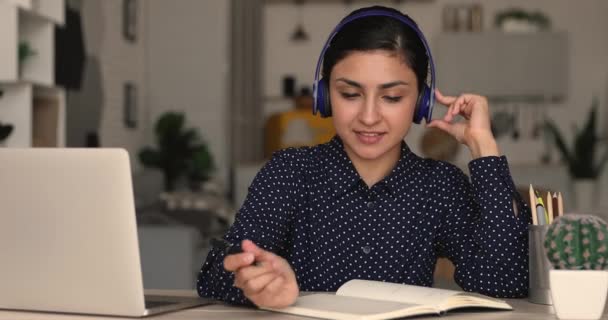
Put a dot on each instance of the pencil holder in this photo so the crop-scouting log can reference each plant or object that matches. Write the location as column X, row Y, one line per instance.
column 539, row 266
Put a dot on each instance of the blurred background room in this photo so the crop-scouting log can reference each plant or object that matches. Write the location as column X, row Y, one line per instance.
column 201, row 92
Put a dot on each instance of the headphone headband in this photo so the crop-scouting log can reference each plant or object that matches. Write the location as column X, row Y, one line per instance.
column 373, row 13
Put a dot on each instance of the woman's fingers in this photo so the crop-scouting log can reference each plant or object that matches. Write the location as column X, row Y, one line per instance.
column 258, row 284
column 261, row 256
column 444, row 100
column 270, row 281
column 276, row 285
column 243, row 275
column 236, row 261
column 454, row 129
column 441, row 124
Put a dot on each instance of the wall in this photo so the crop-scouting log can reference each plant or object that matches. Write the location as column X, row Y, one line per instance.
column 588, row 49
column 583, row 21
column 178, row 62
column 186, row 67
column 112, row 61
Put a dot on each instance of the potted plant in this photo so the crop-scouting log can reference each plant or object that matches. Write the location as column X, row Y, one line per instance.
column 520, row 20
column 199, row 167
column 179, row 153
column 5, row 132
column 583, row 164
column 24, row 52
column 577, row 248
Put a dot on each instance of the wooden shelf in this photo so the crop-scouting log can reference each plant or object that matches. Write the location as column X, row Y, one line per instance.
column 48, row 117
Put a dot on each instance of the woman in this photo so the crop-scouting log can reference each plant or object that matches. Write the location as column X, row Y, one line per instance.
column 363, row 205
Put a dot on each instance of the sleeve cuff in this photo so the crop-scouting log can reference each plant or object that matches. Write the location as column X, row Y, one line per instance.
column 486, row 171
column 491, row 176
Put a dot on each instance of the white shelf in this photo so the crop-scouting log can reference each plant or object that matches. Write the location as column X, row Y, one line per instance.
column 30, row 100
column 40, row 35
column 52, row 10
column 24, row 4
column 8, row 45
column 15, row 109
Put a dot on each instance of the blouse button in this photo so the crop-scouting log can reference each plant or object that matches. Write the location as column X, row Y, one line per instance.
column 370, row 205
column 366, row 249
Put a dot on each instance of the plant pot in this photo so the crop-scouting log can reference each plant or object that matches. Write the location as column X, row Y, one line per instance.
column 579, row 294
column 585, row 192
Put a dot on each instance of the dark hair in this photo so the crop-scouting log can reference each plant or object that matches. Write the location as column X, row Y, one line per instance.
column 378, row 33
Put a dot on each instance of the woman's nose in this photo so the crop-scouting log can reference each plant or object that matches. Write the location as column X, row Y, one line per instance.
column 370, row 113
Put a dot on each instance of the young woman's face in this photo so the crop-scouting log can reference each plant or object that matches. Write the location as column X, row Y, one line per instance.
column 373, row 96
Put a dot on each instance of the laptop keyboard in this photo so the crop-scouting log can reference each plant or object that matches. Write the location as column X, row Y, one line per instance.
column 156, row 303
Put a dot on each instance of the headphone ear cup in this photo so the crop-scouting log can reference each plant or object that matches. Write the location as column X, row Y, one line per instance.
column 323, row 102
column 423, row 105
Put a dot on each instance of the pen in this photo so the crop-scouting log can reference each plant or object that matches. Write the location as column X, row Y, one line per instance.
column 226, row 246
column 533, row 206
column 541, row 215
column 549, row 207
column 539, row 202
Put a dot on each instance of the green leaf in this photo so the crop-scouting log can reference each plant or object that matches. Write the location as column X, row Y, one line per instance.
column 601, row 164
column 180, row 152
column 581, row 160
column 559, row 140
column 169, row 123
column 150, row 158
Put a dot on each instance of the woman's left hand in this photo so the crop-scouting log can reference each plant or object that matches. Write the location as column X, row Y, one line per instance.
column 475, row 131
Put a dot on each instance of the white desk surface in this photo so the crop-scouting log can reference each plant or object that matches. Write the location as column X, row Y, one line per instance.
column 522, row 310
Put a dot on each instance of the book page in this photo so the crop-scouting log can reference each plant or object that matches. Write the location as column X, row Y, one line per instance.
column 395, row 292
column 330, row 306
column 468, row 299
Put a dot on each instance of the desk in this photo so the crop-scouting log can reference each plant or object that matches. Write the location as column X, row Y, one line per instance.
column 522, row 310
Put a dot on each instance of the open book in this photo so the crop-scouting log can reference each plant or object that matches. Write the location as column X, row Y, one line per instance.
column 368, row 300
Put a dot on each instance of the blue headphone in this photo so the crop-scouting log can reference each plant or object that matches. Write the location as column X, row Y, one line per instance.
column 426, row 99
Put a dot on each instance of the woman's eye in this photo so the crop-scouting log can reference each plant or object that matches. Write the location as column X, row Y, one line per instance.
column 393, row 99
column 349, row 96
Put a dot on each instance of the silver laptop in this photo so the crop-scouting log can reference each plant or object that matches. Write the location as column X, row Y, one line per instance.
column 68, row 235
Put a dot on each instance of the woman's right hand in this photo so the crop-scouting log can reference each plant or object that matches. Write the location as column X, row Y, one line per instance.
column 265, row 278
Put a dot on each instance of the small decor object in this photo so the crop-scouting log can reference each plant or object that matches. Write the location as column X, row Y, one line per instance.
column 130, row 105
column 583, row 165
column 520, row 20
column 289, row 86
column 5, row 132
column 129, row 20
column 577, row 247
column 299, row 34
column 458, row 18
column 180, row 152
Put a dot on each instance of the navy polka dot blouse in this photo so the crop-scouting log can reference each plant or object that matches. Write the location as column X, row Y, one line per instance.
column 310, row 206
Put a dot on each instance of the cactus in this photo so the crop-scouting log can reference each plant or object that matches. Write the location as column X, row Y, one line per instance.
column 577, row 242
